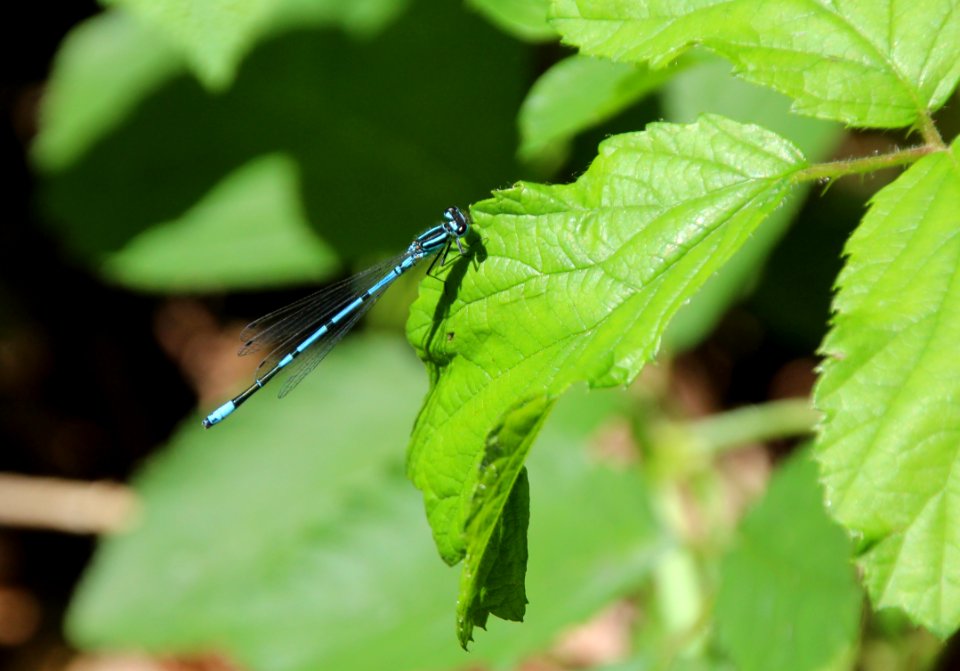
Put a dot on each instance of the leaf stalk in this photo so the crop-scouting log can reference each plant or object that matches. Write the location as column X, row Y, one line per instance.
column 854, row 166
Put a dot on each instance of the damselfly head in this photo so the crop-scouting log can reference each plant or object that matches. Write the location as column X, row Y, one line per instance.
column 459, row 222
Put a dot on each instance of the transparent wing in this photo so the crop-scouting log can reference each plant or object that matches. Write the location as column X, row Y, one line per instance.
column 279, row 332
column 313, row 355
column 298, row 317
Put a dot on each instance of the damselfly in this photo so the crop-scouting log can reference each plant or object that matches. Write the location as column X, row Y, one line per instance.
column 298, row 336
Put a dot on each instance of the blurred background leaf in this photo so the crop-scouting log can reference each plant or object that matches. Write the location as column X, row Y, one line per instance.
column 289, row 537
column 577, row 93
column 524, row 19
column 424, row 131
column 789, row 568
column 123, row 60
column 248, row 231
column 105, row 66
column 212, row 35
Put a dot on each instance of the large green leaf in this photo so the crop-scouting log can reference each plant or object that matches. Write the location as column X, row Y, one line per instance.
column 421, row 125
column 882, row 63
column 288, row 538
column 576, row 283
column 890, row 441
column 579, row 92
column 790, row 566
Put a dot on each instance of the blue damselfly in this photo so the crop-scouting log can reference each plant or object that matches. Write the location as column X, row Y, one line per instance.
column 298, row 336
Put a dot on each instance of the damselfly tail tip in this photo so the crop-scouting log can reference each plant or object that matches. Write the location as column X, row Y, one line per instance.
column 219, row 414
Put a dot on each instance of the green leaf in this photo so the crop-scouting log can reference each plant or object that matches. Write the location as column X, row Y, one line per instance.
column 491, row 580
column 642, row 663
column 496, row 587
column 288, row 539
column 290, row 470
column 789, row 568
column 351, row 114
column 880, row 63
column 889, row 441
column 577, row 93
column 361, row 18
column 213, row 36
column 223, row 241
column 708, row 86
column 525, row 19
column 106, row 65
column 103, row 68
column 577, row 282
column 607, row 511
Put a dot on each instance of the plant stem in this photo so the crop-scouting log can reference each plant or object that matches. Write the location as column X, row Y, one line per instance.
column 853, row 166
column 751, row 424
column 928, row 130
